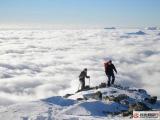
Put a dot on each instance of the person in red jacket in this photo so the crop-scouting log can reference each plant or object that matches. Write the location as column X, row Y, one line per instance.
column 109, row 70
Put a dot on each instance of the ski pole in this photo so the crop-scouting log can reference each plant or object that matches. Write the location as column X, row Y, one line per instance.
column 89, row 81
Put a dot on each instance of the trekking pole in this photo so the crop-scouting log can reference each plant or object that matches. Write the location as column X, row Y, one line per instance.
column 79, row 86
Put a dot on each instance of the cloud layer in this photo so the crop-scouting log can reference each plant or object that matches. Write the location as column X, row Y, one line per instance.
column 40, row 63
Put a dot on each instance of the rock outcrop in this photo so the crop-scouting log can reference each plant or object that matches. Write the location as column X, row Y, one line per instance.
column 131, row 99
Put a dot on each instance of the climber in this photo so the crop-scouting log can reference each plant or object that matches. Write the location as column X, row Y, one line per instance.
column 109, row 70
column 82, row 77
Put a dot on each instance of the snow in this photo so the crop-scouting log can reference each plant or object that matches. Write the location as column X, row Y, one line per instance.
column 37, row 64
column 60, row 101
column 40, row 110
column 59, row 108
column 94, row 108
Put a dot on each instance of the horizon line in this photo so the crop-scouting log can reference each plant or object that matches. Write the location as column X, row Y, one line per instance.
column 56, row 26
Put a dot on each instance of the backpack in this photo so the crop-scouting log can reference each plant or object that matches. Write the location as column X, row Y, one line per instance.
column 106, row 66
column 82, row 75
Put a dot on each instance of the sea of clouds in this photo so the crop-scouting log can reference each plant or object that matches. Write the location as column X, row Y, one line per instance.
column 37, row 64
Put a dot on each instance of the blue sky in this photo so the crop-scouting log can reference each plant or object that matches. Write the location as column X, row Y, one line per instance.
column 81, row 12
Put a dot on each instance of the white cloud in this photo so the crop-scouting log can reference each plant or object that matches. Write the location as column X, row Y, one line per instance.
column 40, row 63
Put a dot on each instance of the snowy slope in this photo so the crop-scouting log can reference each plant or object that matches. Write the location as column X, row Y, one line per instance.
column 47, row 111
column 59, row 108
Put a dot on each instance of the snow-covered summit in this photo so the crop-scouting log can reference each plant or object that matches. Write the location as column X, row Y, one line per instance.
column 84, row 105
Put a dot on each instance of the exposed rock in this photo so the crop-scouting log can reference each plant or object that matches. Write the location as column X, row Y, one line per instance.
column 118, row 87
column 86, row 89
column 127, row 113
column 142, row 91
column 151, row 100
column 67, row 95
column 124, row 102
column 97, row 96
column 113, row 91
column 96, row 87
column 79, row 99
column 139, row 106
column 132, row 90
column 116, row 99
column 102, row 85
column 110, row 98
column 124, row 96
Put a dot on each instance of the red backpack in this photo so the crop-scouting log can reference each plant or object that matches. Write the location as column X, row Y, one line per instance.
column 106, row 66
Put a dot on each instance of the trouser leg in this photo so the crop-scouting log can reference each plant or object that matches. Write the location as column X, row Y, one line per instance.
column 109, row 79
column 113, row 79
column 82, row 84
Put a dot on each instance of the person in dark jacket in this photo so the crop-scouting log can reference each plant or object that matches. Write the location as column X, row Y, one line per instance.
column 82, row 77
column 109, row 70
